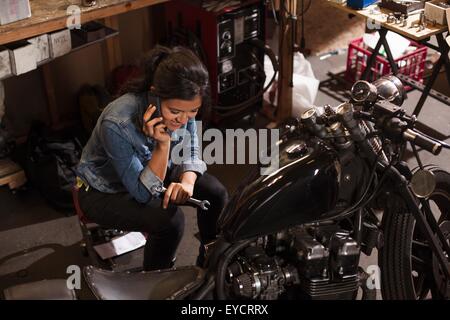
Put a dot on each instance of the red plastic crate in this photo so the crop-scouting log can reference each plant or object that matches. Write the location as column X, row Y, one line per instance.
column 411, row 64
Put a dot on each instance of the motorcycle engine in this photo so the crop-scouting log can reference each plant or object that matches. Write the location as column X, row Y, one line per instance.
column 257, row 275
column 308, row 262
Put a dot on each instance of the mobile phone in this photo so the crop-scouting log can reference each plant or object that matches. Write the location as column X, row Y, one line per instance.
column 155, row 101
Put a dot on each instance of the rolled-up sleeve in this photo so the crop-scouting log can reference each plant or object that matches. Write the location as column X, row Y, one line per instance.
column 140, row 181
column 151, row 181
column 193, row 162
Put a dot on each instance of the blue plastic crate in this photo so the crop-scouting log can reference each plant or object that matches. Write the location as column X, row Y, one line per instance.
column 360, row 4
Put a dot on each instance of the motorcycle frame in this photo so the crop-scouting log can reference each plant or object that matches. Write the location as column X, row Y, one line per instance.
column 423, row 221
column 426, row 223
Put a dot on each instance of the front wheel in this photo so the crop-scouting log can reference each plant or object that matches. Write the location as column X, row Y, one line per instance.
column 409, row 270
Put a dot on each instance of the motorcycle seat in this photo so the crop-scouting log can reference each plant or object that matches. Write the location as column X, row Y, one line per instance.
column 170, row 284
column 50, row 289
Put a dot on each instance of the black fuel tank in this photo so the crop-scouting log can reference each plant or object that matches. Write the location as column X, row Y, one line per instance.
column 304, row 189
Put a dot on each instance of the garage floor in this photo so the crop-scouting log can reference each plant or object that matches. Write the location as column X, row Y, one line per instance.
column 37, row 242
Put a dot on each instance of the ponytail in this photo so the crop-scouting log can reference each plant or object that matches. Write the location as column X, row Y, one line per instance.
column 148, row 67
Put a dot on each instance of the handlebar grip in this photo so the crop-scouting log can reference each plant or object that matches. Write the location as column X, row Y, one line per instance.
column 422, row 141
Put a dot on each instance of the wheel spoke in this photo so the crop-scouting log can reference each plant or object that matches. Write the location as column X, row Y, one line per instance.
column 420, row 244
column 418, row 264
column 421, row 286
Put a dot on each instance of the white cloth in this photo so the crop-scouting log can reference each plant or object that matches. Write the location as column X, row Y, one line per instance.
column 305, row 83
column 396, row 42
column 2, row 101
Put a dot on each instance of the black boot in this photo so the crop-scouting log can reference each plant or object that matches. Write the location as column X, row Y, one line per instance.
column 201, row 257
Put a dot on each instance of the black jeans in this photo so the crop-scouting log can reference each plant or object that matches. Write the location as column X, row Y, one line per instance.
column 164, row 226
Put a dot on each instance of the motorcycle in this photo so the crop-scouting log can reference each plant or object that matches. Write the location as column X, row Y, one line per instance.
column 341, row 190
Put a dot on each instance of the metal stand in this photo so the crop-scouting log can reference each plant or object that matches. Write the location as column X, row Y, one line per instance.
column 370, row 62
column 442, row 48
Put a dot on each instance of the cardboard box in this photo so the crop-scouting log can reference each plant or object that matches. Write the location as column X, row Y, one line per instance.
column 14, row 10
column 436, row 10
column 5, row 63
column 23, row 57
column 60, row 43
column 41, row 46
column 90, row 31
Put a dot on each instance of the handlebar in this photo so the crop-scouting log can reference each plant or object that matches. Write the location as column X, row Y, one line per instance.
column 424, row 142
column 390, row 120
column 379, row 104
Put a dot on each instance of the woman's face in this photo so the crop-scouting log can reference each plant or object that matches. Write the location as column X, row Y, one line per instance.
column 176, row 112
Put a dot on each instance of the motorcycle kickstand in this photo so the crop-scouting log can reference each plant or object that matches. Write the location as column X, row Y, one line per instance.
column 367, row 293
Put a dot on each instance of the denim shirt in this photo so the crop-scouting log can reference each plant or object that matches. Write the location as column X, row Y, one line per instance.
column 116, row 155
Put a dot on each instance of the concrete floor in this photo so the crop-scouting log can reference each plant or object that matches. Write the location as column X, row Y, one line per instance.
column 37, row 242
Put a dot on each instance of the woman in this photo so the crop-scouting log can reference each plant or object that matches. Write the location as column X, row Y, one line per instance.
column 128, row 158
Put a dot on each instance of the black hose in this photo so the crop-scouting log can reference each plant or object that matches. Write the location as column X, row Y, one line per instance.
column 374, row 193
column 205, row 290
column 361, row 202
column 273, row 11
column 234, row 109
column 223, row 264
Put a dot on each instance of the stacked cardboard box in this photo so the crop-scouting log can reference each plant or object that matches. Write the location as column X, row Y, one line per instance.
column 14, row 10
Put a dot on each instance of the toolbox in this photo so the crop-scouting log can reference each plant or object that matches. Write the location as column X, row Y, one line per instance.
column 436, row 11
column 359, row 4
column 90, row 31
column 405, row 7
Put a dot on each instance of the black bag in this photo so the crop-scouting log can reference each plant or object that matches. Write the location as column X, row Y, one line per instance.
column 7, row 144
column 91, row 101
column 51, row 158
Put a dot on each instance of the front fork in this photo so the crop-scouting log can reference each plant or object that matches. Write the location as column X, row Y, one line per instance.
column 426, row 222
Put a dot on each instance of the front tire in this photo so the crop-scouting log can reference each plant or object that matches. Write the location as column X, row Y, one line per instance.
column 409, row 270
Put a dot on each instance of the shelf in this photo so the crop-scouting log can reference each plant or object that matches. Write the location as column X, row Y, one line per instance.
column 48, row 16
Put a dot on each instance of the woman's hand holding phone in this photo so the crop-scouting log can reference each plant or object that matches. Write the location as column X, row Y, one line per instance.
column 153, row 126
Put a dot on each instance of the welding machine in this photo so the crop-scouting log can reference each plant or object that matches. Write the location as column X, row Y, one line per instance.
column 230, row 38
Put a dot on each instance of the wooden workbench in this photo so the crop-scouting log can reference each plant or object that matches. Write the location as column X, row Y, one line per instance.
column 48, row 16
column 410, row 33
column 423, row 36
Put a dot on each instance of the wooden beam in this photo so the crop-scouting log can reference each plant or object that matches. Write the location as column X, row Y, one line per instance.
column 286, row 41
column 48, row 16
column 114, row 42
column 52, row 105
column 147, row 39
column 112, row 53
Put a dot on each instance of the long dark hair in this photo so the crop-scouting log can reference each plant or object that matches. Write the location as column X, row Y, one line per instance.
column 174, row 73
